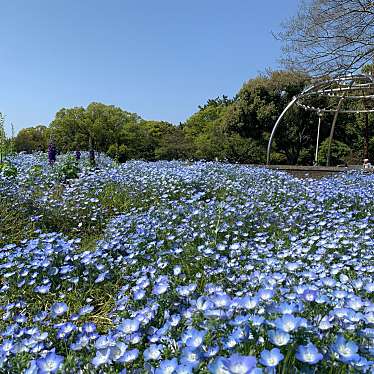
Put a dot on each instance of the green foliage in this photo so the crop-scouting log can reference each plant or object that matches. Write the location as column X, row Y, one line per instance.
column 243, row 150
column 7, row 169
column 118, row 153
column 15, row 222
column 69, row 169
column 174, row 145
column 340, row 152
column 115, row 199
column 72, row 128
column 32, row 139
column 113, row 151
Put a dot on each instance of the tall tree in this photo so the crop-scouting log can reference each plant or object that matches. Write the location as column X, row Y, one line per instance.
column 329, row 37
column 100, row 124
column 259, row 103
column 32, row 139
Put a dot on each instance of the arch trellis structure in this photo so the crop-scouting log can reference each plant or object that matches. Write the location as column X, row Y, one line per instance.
column 346, row 94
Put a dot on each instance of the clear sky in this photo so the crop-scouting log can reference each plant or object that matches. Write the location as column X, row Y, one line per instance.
column 158, row 58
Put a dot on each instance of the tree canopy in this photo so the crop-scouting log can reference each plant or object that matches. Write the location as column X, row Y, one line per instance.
column 329, row 37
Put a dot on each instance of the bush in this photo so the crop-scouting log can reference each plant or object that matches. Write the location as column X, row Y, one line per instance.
column 340, row 152
column 69, row 169
column 7, row 169
column 118, row 153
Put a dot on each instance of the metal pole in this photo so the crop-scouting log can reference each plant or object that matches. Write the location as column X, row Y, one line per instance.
column 332, row 130
column 275, row 127
column 318, row 132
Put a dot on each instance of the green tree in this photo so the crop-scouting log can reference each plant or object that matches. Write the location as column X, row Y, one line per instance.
column 258, row 105
column 174, row 145
column 32, row 139
column 103, row 124
column 204, row 130
column 340, row 152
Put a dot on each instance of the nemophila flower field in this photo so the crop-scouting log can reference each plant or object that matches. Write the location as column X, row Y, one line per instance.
column 173, row 267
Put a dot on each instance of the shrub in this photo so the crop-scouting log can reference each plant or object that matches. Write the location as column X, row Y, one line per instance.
column 118, row 153
column 7, row 169
column 69, row 169
column 339, row 152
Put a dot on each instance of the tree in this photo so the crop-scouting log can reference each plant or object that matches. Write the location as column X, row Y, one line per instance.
column 204, row 131
column 174, row 145
column 118, row 152
column 340, row 152
column 258, row 105
column 32, row 139
column 100, row 124
column 329, row 37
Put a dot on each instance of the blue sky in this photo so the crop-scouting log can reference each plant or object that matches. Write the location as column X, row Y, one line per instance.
column 160, row 59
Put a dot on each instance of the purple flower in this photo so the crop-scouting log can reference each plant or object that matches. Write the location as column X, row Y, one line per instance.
column 52, row 153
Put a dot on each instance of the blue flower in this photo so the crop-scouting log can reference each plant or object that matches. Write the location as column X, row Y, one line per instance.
column 44, row 289
column 346, row 350
column 6, row 346
column 184, row 369
column 190, row 356
column 117, row 352
column 104, row 341
column 86, row 309
column 309, row 354
column 309, row 295
column 287, row 323
column 167, row 366
column 50, row 363
column 271, row 358
column 58, row 309
column 129, row 326
column 160, row 288
column 194, row 338
column 237, row 364
column 265, row 293
column 153, row 352
column 217, row 366
column 89, row 328
column 130, row 356
column 279, row 337
column 65, row 330
column 102, row 357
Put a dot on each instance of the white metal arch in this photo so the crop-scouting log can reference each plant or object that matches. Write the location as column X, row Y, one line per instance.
column 341, row 88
